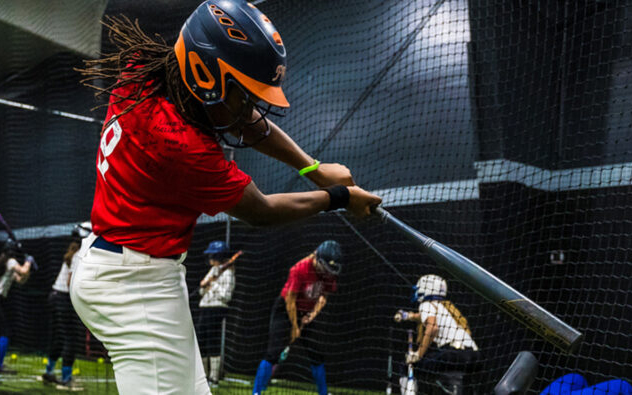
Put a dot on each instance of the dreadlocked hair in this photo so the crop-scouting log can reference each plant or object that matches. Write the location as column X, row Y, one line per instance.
column 148, row 64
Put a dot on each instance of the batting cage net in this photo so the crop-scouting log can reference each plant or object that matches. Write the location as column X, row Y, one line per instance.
column 499, row 128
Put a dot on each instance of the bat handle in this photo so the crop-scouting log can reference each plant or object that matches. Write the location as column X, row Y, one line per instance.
column 380, row 213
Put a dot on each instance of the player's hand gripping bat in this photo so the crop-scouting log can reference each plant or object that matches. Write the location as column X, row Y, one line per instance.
column 285, row 353
column 531, row 315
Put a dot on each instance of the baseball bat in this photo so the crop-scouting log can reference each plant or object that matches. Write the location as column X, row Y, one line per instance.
column 411, row 383
column 521, row 308
column 222, row 268
column 9, row 231
column 18, row 245
column 228, row 263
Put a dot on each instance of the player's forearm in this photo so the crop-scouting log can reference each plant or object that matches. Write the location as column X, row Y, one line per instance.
column 20, row 278
column 278, row 145
column 322, row 301
column 425, row 344
column 290, row 306
column 23, row 269
column 258, row 209
column 206, row 280
column 429, row 334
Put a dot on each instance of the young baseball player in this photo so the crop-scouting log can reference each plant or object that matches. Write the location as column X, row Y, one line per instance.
column 12, row 271
column 160, row 165
column 65, row 323
column 442, row 326
column 294, row 313
column 216, row 290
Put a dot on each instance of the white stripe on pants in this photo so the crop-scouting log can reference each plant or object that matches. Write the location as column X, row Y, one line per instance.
column 138, row 307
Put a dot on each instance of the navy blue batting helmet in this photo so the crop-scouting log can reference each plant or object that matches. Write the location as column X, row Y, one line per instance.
column 231, row 40
column 329, row 256
column 216, row 247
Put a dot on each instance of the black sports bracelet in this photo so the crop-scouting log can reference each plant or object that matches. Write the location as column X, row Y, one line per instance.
column 338, row 197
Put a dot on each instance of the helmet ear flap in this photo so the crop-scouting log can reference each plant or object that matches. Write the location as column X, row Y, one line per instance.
column 415, row 296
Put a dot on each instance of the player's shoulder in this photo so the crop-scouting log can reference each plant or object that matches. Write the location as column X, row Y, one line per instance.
column 303, row 264
column 156, row 125
column 429, row 307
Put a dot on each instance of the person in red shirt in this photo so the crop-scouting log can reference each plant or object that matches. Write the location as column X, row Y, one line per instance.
column 160, row 165
column 302, row 299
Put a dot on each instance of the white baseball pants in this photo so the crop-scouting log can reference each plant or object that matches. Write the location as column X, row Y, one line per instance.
column 138, row 307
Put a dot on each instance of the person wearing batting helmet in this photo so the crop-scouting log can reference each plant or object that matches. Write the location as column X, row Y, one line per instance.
column 12, row 271
column 160, row 165
column 65, row 325
column 294, row 313
column 444, row 335
column 216, row 291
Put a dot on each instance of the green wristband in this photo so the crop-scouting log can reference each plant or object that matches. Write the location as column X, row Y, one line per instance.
column 308, row 169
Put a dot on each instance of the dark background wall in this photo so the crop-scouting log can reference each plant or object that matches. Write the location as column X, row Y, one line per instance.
column 542, row 83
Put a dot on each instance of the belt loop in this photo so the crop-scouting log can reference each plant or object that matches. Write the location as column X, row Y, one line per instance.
column 183, row 256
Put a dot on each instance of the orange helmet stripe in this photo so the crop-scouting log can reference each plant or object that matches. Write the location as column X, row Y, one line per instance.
column 270, row 94
column 181, row 55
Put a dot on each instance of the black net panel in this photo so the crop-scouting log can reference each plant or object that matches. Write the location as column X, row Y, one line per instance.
column 501, row 129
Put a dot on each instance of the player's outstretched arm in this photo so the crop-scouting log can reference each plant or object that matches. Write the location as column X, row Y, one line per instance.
column 259, row 209
column 280, row 146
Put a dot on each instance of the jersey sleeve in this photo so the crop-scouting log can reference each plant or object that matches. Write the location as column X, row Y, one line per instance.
column 294, row 280
column 426, row 309
column 209, row 183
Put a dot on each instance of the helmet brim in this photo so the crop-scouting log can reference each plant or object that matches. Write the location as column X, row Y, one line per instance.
column 268, row 93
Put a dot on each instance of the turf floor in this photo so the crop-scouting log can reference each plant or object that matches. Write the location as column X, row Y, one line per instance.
column 97, row 377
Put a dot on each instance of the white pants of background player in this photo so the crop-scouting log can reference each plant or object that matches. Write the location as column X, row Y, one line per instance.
column 138, row 307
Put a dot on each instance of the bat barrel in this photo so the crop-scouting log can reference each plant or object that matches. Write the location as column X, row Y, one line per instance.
column 545, row 324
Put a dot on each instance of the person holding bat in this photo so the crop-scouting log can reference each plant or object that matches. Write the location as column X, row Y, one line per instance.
column 160, row 165
column 444, row 336
column 11, row 270
column 294, row 313
column 216, row 290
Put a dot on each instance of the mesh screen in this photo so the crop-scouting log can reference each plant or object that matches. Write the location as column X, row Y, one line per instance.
column 500, row 129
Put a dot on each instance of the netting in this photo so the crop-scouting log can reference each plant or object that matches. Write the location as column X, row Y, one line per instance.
column 500, row 129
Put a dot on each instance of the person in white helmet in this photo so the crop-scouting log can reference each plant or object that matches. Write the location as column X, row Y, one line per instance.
column 444, row 336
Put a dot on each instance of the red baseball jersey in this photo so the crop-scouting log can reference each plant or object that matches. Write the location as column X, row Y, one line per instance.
column 155, row 175
column 308, row 284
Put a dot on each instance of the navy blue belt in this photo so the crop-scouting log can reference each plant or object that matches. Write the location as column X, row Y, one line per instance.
column 103, row 244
